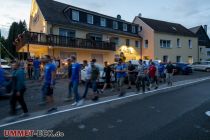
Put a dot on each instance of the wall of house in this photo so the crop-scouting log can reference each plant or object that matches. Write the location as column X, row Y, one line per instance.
column 37, row 22
column 131, row 52
column 147, row 33
column 207, row 56
column 184, row 51
column 202, row 53
column 63, row 53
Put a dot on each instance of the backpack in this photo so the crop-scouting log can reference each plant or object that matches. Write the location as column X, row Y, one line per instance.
column 94, row 72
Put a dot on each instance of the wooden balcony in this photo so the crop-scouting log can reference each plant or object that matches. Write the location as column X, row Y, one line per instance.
column 61, row 41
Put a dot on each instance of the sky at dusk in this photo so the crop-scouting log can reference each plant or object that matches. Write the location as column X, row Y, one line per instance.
column 189, row 13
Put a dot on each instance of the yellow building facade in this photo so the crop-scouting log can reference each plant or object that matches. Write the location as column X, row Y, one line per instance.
column 56, row 33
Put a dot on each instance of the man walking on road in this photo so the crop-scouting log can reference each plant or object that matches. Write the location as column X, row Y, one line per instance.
column 169, row 73
column 49, row 82
column 36, row 64
column 140, row 81
column 152, row 75
column 87, row 68
column 108, row 76
column 131, row 69
column 69, row 96
column 95, row 73
column 121, row 74
column 19, row 88
column 75, row 79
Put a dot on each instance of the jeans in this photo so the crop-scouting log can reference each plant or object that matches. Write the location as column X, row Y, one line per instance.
column 74, row 86
column 70, row 87
column 94, row 86
column 36, row 74
column 87, row 85
column 44, row 91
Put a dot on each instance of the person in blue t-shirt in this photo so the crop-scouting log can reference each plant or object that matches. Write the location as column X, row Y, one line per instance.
column 49, row 81
column 36, row 65
column 2, row 78
column 75, row 80
column 120, row 70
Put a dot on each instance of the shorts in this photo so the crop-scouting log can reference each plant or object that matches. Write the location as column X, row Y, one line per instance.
column 130, row 77
column 47, row 90
column 120, row 81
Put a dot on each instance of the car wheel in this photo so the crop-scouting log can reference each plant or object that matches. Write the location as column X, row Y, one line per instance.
column 208, row 70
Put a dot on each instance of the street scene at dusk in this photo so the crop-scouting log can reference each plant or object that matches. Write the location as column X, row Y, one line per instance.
column 105, row 70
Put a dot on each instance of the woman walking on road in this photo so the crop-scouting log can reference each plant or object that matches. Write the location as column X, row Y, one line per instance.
column 19, row 88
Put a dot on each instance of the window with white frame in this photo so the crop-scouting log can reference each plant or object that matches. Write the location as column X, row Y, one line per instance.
column 103, row 22
column 190, row 44
column 165, row 43
column 115, row 25
column 146, row 43
column 133, row 29
column 125, row 27
column 75, row 15
column 90, row 19
column 178, row 43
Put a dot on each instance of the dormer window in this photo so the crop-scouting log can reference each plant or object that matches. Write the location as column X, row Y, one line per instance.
column 115, row 25
column 103, row 22
column 75, row 15
column 125, row 27
column 90, row 19
column 133, row 29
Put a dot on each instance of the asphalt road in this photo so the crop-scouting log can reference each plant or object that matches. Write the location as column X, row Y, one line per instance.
column 171, row 115
column 175, row 115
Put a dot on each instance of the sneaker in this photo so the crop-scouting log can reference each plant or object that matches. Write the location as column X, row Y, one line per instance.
column 80, row 103
column 52, row 110
column 18, row 107
column 75, row 103
column 68, row 99
column 122, row 94
column 43, row 103
column 129, row 88
column 24, row 115
column 148, row 89
column 101, row 91
column 156, row 87
column 95, row 98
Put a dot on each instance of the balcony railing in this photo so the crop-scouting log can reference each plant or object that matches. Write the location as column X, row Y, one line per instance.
column 63, row 41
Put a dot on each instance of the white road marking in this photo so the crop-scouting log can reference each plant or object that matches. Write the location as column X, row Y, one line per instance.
column 207, row 113
column 98, row 103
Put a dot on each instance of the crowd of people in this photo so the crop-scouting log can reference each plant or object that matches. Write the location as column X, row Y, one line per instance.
column 148, row 77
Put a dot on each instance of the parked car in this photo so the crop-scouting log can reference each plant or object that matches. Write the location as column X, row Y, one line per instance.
column 101, row 79
column 182, row 68
column 5, row 65
column 203, row 66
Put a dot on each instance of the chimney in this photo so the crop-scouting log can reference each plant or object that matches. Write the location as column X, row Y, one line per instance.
column 205, row 28
column 118, row 16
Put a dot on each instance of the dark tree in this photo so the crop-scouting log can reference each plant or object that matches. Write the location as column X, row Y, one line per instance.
column 14, row 31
